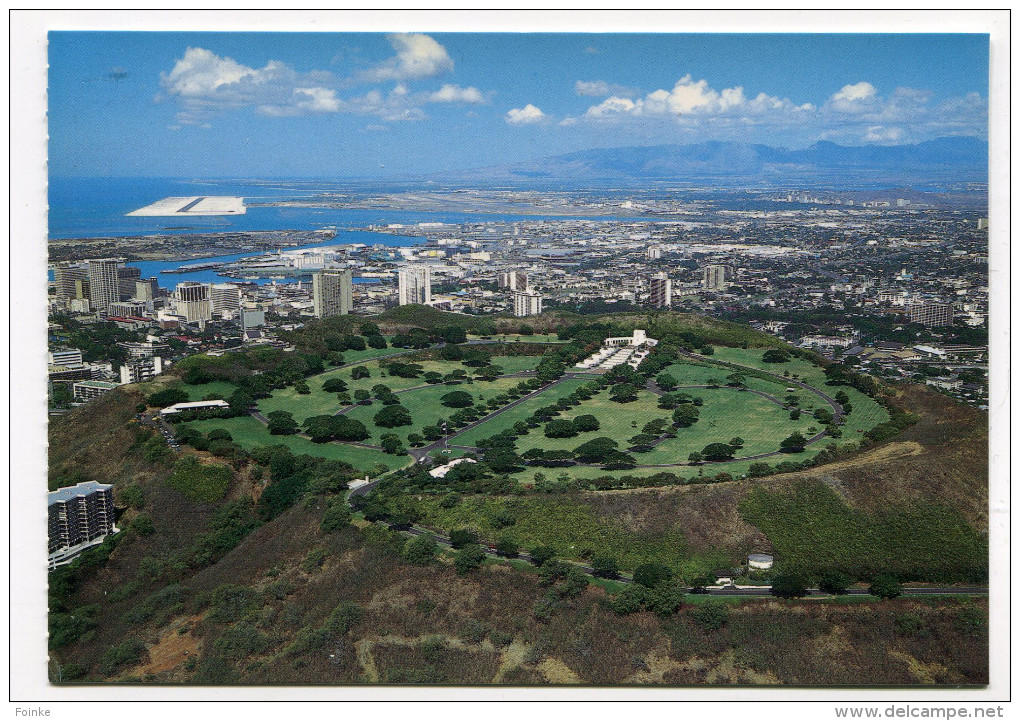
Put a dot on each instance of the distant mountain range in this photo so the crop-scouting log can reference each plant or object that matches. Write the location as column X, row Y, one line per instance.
column 954, row 158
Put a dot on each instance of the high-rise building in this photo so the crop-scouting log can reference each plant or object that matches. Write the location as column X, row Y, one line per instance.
column 225, row 297
column 147, row 290
column 660, row 291
column 526, row 302
column 126, row 278
column 514, row 280
column 933, row 315
column 79, row 516
column 982, row 224
column 332, row 293
column 414, row 285
column 714, row 277
column 653, row 252
column 68, row 281
column 104, row 283
column 139, row 370
column 191, row 300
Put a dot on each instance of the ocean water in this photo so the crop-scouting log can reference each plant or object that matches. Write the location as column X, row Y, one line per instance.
column 97, row 207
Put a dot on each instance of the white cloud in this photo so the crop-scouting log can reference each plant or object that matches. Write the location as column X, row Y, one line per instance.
column 456, row 94
column 600, row 89
column 201, row 73
column 614, row 106
column 526, row 115
column 879, row 134
column 418, row 56
column 854, row 98
column 317, row 100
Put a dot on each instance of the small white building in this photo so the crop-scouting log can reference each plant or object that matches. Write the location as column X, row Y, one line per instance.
column 192, row 406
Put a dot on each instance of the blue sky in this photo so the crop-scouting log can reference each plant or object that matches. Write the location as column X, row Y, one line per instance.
column 367, row 104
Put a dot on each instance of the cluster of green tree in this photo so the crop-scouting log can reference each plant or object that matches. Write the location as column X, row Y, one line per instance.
column 217, row 441
column 899, row 419
column 654, row 589
column 795, row 585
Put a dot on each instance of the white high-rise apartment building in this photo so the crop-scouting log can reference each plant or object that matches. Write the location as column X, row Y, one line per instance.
column 104, row 283
column 414, row 285
column 660, row 291
column 653, row 252
column 332, row 293
column 526, row 302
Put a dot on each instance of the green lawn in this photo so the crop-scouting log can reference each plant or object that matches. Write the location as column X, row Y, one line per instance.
column 425, row 406
column 221, row 389
column 519, row 412
column 618, row 421
column 318, row 402
column 248, row 432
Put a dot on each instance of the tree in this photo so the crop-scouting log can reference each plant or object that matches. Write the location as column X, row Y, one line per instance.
column 686, row 415
column 605, row 567
column 349, row 429
column 665, row 598
column 320, row 428
column 774, row 355
column 595, row 450
column 795, row 414
column 302, row 388
column 623, row 393
column 834, row 582
column 737, row 442
column 457, row 399
column 794, row 443
column 360, row 372
column 354, row 342
column 707, row 350
column 841, row 397
column 694, row 457
column 168, row 397
column 468, row 558
column 650, row 575
column 220, row 434
column 453, row 334
column 666, row 381
column 541, row 555
column 337, row 516
column 421, row 551
column 586, row 423
column 789, row 585
column 717, row 452
column 282, row 423
column 462, row 536
column 376, row 341
column 885, row 587
column 391, row 444
column 368, row 328
column 433, row 377
column 503, row 459
column 560, row 429
column 334, row 385
column 392, row 417
column 507, row 547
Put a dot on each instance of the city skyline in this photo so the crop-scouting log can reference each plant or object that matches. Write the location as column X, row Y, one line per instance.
column 377, row 105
